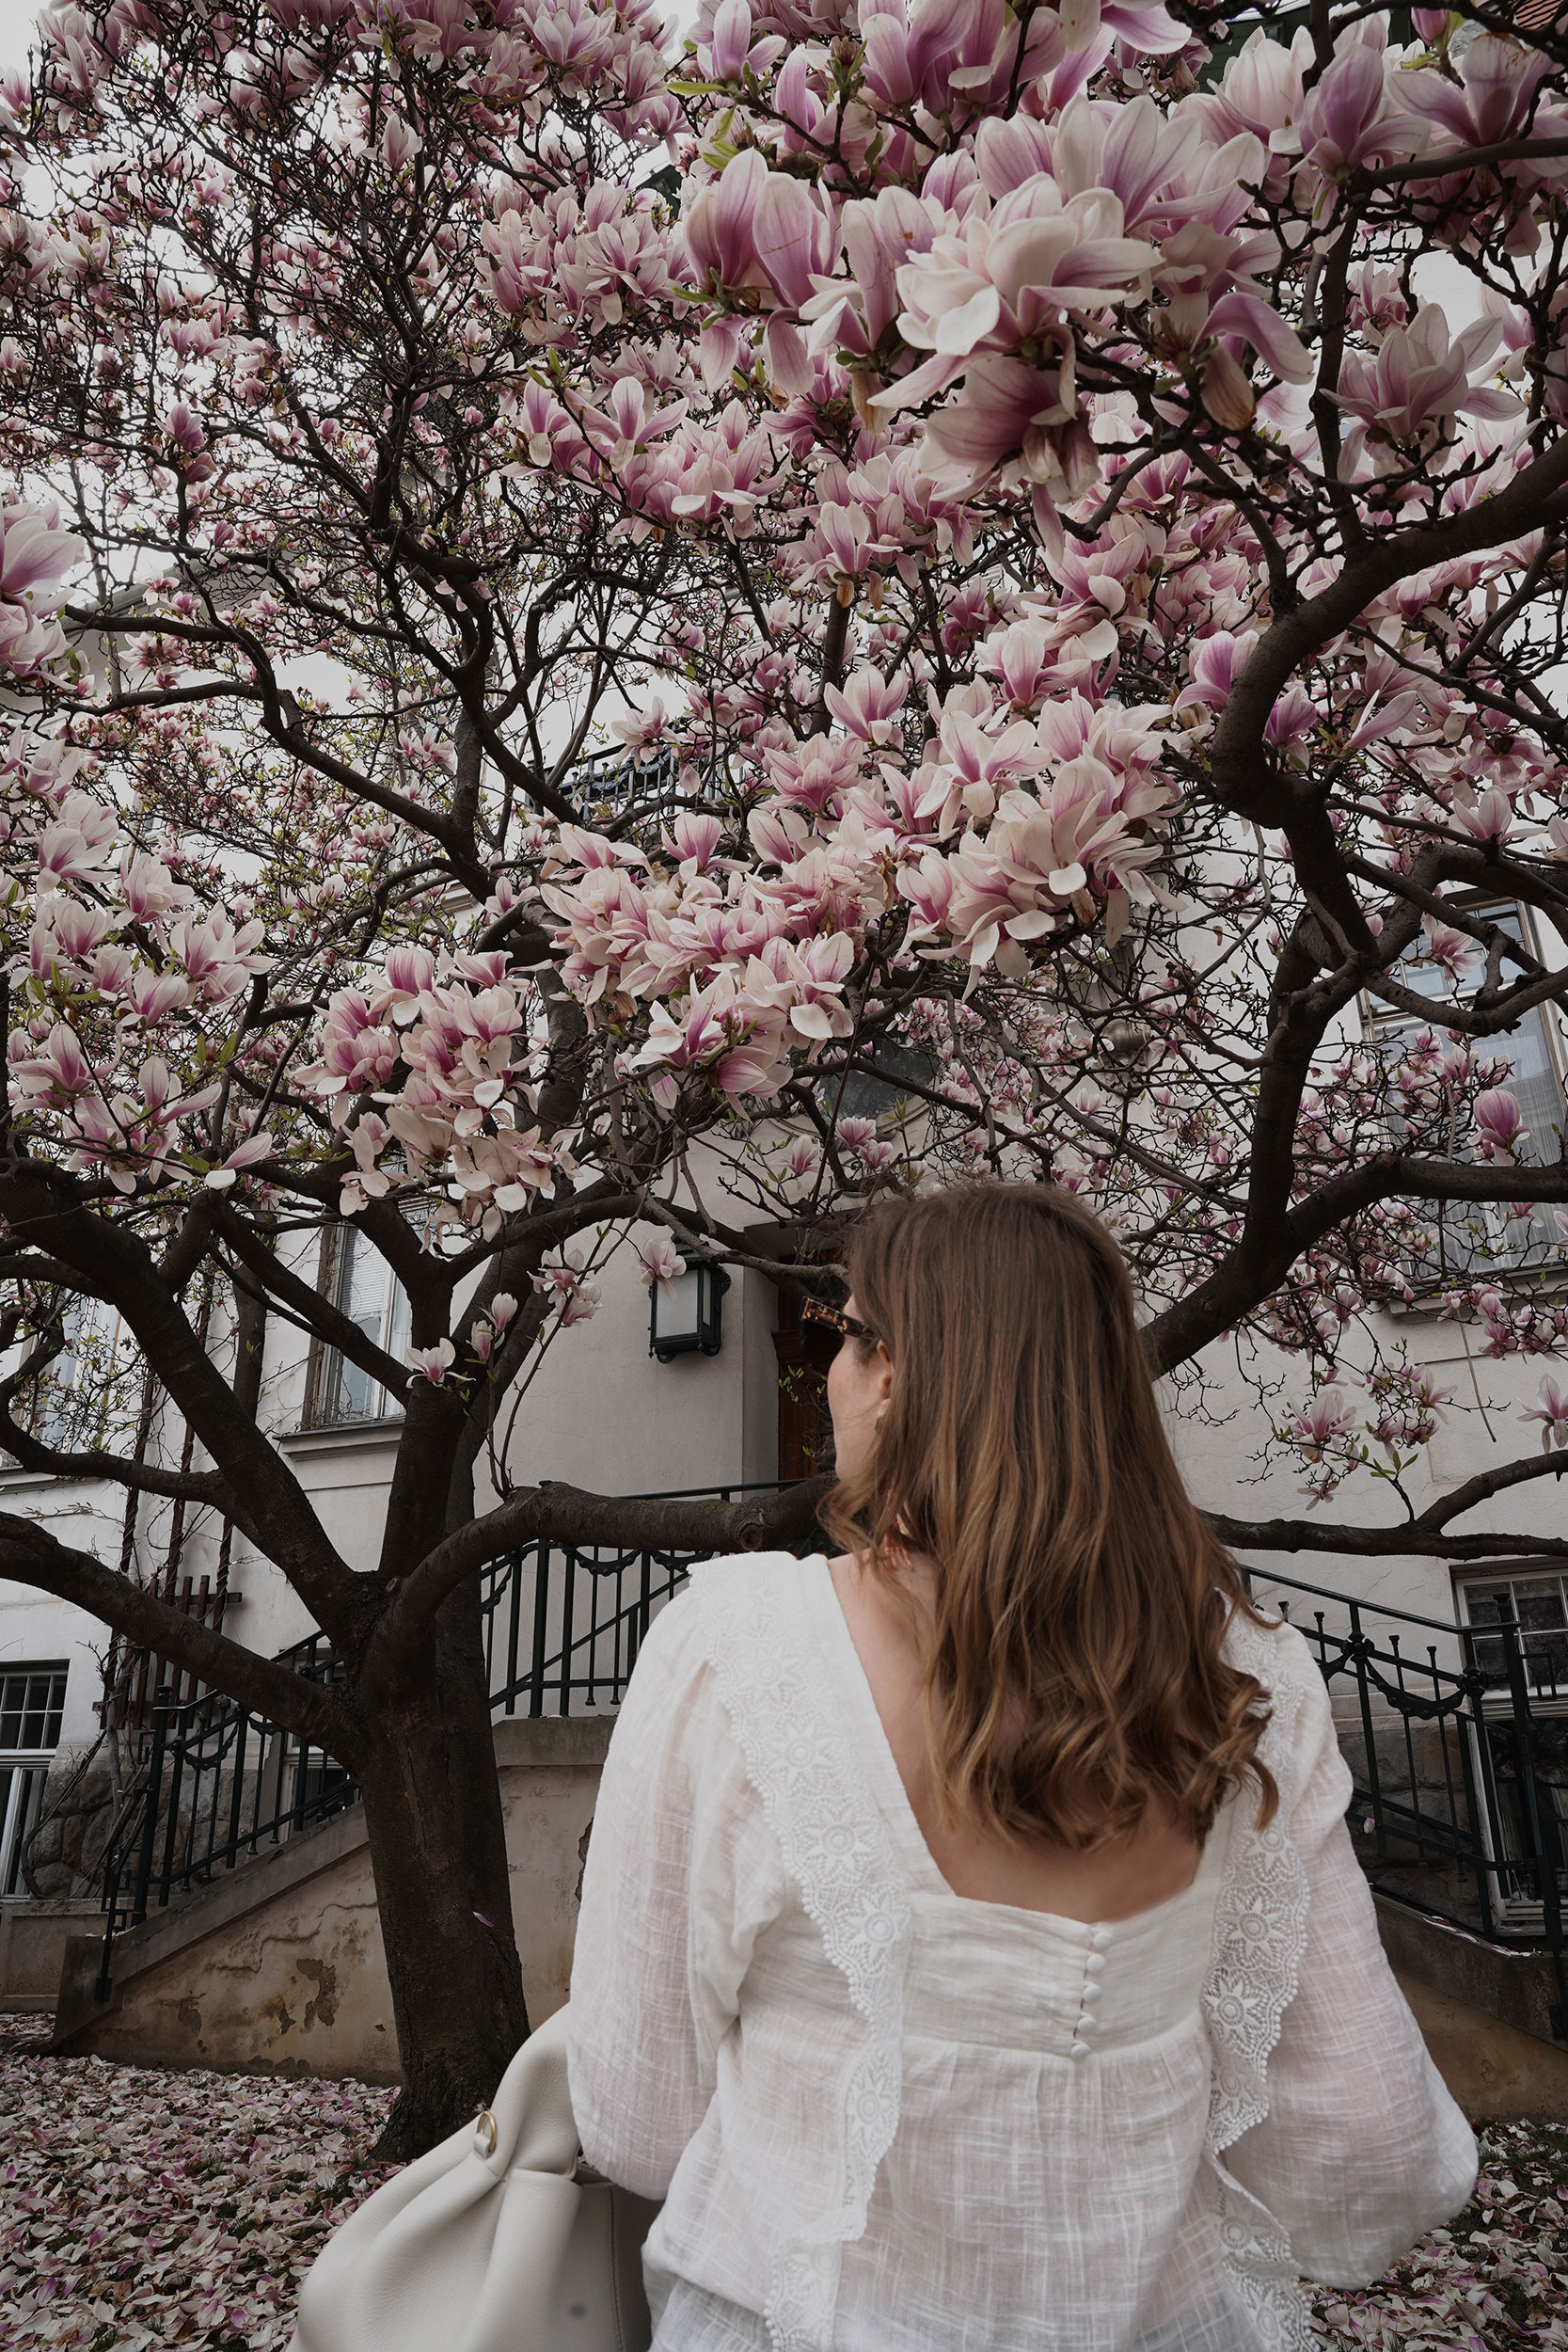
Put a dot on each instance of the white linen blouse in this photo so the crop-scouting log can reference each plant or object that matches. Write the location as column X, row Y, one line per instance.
column 887, row 2118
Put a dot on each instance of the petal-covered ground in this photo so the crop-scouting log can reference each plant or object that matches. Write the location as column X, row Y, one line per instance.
column 140, row 2208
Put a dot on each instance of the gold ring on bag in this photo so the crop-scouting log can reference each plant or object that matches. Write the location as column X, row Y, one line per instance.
column 486, row 2123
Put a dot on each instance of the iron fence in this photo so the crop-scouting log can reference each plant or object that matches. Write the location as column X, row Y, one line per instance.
column 216, row 1784
column 563, row 1622
column 1456, row 1735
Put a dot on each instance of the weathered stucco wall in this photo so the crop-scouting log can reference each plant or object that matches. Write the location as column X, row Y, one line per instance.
column 33, row 1937
column 279, row 1968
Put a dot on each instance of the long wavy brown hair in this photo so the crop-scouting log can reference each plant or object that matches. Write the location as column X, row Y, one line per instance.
column 1075, row 1666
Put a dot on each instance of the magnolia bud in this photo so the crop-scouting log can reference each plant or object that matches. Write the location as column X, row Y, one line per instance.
column 1226, row 394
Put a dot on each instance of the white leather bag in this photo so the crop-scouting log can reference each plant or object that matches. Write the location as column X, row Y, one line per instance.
column 488, row 2243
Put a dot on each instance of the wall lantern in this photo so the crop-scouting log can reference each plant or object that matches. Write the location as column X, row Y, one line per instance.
column 688, row 1312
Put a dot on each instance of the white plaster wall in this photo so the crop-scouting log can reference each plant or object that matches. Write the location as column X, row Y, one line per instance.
column 1478, row 1429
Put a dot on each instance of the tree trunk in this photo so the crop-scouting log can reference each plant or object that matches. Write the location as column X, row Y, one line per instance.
column 437, row 1842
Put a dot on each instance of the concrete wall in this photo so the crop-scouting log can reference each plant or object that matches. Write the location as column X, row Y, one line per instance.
column 1496, row 2073
column 279, row 1968
column 33, row 1937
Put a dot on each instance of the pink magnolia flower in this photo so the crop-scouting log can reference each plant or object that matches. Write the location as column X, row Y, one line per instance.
column 695, row 838
column 35, row 555
column 79, row 843
column 660, row 1262
column 1490, row 98
column 803, row 1159
column 244, row 1156
column 1414, row 387
column 357, row 1055
column 1327, row 1417
column 1490, row 819
column 562, row 1278
column 1552, row 1412
column 1035, row 262
column 1353, row 116
column 59, row 1075
column 868, row 705
column 1216, row 662
column 1499, row 1125
column 410, row 971
column 719, row 224
column 1454, row 952
column 730, row 50
column 431, row 1363
column 217, row 957
column 1008, row 410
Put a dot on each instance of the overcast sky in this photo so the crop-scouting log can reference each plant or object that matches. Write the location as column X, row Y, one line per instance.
column 17, row 19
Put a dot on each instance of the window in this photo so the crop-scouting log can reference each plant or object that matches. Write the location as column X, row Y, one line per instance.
column 1467, row 1237
column 82, row 1397
column 32, row 1699
column 1541, row 1610
column 361, row 1285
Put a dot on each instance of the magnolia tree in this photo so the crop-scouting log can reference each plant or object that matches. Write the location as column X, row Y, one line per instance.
column 1081, row 628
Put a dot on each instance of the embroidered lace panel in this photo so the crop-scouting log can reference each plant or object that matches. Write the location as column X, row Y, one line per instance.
column 1259, row 1938
column 836, row 1848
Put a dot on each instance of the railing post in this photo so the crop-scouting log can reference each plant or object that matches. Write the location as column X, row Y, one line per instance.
column 1524, row 1746
column 515, row 1581
column 236, row 1794
column 1374, row 1776
column 542, row 1555
column 1480, row 1795
column 171, row 1826
column 149, row 1823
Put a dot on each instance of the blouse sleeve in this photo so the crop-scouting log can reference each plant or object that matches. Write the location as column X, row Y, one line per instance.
column 1362, row 2149
column 682, row 1873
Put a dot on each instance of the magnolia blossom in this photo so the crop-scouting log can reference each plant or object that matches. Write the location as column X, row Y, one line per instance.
column 563, row 1281
column 1500, row 1129
column 35, row 554
column 1414, row 387
column 431, row 1363
column 1327, row 1417
column 660, row 1262
column 1552, row 1412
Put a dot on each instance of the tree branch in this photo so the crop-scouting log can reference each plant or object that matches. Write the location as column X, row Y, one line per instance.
column 567, row 1515
column 31, row 1554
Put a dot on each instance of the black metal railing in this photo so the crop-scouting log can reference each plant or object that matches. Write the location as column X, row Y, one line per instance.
column 216, row 1784
column 213, row 1783
column 618, row 781
column 563, row 1622
column 1457, row 1740
column 1456, row 1735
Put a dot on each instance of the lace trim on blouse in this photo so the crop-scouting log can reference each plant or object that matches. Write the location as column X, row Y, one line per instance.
column 836, row 1847
column 1259, row 1938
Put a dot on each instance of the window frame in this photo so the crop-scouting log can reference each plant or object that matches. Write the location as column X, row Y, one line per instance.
column 27, row 1768
column 1378, row 1020
column 1548, row 1703
column 324, row 1375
